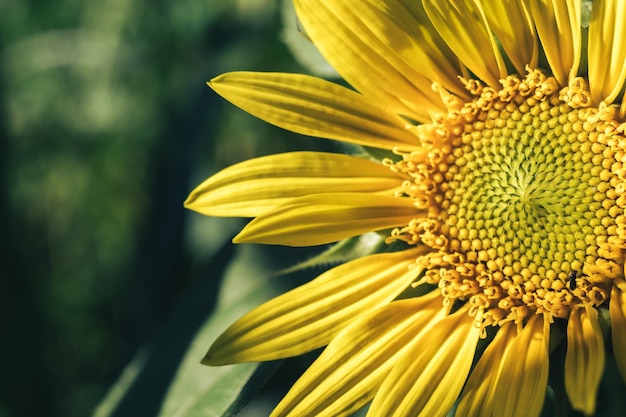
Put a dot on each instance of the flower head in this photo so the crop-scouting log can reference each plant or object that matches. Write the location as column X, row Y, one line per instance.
column 502, row 202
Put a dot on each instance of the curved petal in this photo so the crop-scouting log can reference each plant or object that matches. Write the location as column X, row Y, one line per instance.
column 324, row 218
column 253, row 187
column 617, row 312
column 478, row 394
column 558, row 25
column 463, row 25
column 584, row 361
column 607, row 49
column 350, row 370
column 510, row 22
column 524, row 378
column 361, row 47
column 428, row 377
column 315, row 107
column 410, row 33
column 309, row 316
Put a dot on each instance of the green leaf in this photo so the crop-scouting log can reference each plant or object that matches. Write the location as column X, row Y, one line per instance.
column 343, row 251
column 199, row 390
column 195, row 389
column 302, row 49
column 223, row 391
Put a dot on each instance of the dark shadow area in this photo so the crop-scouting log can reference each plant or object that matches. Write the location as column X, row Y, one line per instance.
column 166, row 349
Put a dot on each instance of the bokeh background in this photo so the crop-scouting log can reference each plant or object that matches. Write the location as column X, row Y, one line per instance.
column 106, row 124
column 110, row 291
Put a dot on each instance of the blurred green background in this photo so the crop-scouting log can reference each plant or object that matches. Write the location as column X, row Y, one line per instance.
column 106, row 125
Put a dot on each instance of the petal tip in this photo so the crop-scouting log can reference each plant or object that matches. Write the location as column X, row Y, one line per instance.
column 212, row 360
column 188, row 203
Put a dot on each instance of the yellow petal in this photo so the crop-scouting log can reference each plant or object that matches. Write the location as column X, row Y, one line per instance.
column 584, row 361
column 428, row 377
column 307, row 317
column 324, row 218
column 416, row 40
column 253, row 187
column 478, row 394
column 558, row 25
column 607, row 49
column 368, row 49
column 524, row 377
column 617, row 311
column 463, row 25
column 348, row 372
column 510, row 22
column 315, row 107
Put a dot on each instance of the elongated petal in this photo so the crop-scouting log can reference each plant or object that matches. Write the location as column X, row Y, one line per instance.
column 558, row 25
column 315, row 107
column 524, row 378
column 617, row 311
column 348, row 372
column 325, row 218
column 414, row 38
column 307, row 317
column 584, row 361
column 428, row 377
column 510, row 22
column 464, row 27
column 253, row 187
column 477, row 397
column 607, row 49
column 367, row 49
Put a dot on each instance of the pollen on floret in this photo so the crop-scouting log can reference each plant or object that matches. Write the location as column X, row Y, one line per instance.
column 523, row 190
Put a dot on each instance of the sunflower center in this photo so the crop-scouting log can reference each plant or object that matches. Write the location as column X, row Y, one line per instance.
column 522, row 190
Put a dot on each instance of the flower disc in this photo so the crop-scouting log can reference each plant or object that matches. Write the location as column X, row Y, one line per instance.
column 522, row 187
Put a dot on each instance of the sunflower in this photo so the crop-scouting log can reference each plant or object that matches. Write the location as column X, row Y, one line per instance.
column 500, row 194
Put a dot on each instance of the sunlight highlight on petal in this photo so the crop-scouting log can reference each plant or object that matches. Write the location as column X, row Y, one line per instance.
column 404, row 29
column 282, row 327
column 325, row 218
column 477, row 398
column 510, row 22
column 607, row 49
column 314, row 107
column 464, row 27
column 584, row 361
column 559, row 28
column 617, row 310
column 361, row 47
column 429, row 375
column 350, row 370
column 524, row 377
column 253, row 187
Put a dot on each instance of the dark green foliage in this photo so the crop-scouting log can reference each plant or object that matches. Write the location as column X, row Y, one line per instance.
column 105, row 125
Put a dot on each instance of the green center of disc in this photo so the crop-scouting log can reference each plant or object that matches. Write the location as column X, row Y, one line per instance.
column 525, row 195
column 524, row 191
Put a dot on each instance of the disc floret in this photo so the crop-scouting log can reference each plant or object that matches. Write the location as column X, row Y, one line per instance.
column 523, row 188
